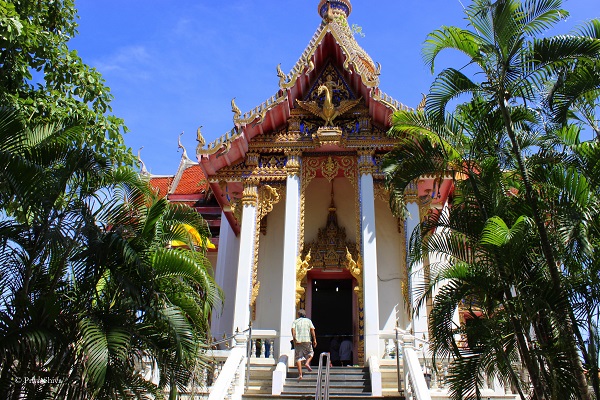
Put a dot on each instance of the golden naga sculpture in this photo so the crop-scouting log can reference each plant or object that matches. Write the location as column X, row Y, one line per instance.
column 237, row 113
column 329, row 112
column 200, row 150
column 355, row 269
column 199, row 137
column 302, row 268
column 281, row 75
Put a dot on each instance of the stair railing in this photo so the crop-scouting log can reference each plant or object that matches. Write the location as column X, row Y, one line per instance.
column 230, row 383
column 322, row 391
column 415, row 384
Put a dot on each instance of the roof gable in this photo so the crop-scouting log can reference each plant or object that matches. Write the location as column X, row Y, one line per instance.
column 332, row 43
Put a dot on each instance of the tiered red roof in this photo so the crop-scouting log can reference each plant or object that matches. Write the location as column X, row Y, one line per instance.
column 193, row 181
column 161, row 184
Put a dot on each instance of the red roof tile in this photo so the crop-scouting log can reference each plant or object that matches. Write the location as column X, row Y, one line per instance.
column 192, row 181
column 161, row 184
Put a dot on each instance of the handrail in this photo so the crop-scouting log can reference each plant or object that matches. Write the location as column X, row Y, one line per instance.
column 322, row 391
column 248, row 353
column 413, row 371
column 227, row 338
column 227, row 376
column 398, row 375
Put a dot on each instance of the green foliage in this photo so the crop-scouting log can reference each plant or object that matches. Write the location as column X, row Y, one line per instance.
column 48, row 82
column 89, row 289
column 525, row 199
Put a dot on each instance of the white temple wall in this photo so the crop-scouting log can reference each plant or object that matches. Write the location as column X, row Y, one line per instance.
column 212, row 257
column 270, row 261
column 317, row 201
column 225, row 276
column 389, row 268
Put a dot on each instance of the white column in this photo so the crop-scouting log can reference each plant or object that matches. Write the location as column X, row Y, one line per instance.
column 416, row 276
column 241, row 313
column 222, row 322
column 290, row 252
column 369, row 253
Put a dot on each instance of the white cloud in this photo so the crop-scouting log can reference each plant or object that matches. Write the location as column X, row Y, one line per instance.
column 130, row 61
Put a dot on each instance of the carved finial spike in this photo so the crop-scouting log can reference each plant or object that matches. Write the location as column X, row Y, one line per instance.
column 421, row 105
column 332, row 203
column 199, row 137
column 235, row 109
column 378, row 70
column 143, row 169
column 280, row 73
column 179, row 145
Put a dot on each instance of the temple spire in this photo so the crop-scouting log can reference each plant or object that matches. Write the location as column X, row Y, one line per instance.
column 333, row 7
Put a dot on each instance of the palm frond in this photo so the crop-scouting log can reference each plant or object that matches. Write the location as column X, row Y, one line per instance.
column 450, row 37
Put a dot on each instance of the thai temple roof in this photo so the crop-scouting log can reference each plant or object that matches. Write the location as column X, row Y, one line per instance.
column 333, row 47
column 333, row 34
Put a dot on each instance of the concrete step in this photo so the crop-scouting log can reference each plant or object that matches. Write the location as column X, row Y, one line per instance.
column 389, row 377
column 346, row 383
column 261, row 377
column 312, row 396
column 343, row 381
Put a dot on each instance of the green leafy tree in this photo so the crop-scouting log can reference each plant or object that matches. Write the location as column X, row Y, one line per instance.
column 498, row 146
column 48, row 82
column 474, row 273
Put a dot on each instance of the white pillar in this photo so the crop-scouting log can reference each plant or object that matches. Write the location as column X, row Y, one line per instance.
column 290, row 252
column 369, row 253
column 416, row 277
column 241, row 313
column 222, row 322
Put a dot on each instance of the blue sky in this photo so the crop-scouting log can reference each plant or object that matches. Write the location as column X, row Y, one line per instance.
column 175, row 65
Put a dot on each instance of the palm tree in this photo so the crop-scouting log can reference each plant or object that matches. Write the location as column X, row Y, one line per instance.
column 465, row 147
column 90, row 290
column 513, row 67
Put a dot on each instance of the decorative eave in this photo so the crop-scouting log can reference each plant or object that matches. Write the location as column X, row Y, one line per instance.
column 274, row 111
column 357, row 60
column 334, row 42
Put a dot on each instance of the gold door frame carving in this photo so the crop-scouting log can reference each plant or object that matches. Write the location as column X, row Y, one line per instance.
column 347, row 254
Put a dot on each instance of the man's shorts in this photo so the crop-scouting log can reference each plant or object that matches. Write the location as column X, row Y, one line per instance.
column 303, row 351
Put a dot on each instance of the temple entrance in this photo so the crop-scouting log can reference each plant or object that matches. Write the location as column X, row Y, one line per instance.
column 331, row 311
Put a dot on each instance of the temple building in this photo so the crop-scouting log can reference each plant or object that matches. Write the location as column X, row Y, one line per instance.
column 295, row 200
column 294, row 197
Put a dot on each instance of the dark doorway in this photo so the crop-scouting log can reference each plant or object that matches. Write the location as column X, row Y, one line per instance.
column 331, row 311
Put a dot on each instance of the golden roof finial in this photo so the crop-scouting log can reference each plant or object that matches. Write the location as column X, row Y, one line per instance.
column 332, row 205
column 199, row 137
column 280, row 73
column 328, row 8
column 235, row 109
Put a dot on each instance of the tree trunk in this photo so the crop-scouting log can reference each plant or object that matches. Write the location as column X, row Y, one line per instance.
column 531, row 197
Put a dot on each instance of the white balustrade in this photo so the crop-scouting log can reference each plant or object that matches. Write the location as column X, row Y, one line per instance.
column 262, row 346
column 230, row 382
column 422, row 377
